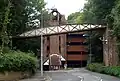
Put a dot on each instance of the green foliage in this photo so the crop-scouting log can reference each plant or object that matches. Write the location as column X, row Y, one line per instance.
column 97, row 47
column 27, row 45
column 93, row 12
column 115, row 70
column 110, row 70
column 6, row 50
column 74, row 18
column 80, row 18
column 96, row 11
column 22, row 15
column 96, row 67
column 3, row 33
column 17, row 61
column 115, row 15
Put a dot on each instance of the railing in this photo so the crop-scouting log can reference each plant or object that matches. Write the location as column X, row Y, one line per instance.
column 61, row 29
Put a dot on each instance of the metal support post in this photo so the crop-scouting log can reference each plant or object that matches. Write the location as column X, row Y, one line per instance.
column 90, row 55
column 41, row 45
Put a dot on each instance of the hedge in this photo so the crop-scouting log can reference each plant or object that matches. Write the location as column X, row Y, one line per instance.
column 110, row 70
column 17, row 61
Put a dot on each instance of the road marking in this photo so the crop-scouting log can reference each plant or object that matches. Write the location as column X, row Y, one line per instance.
column 82, row 78
column 99, row 78
column 48, row 78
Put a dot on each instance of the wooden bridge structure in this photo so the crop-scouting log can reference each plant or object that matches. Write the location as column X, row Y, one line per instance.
column 59, row 32
column 61, row 29
column 109, row 42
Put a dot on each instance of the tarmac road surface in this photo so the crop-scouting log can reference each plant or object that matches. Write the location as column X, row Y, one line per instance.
column 78, row 75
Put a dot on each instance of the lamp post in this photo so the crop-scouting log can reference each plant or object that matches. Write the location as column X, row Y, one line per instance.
column 41, row 44
column 42, row 24
column 90, row 47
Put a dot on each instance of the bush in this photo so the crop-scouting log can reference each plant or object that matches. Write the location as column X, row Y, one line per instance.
column 17, row 61
column 113, row 70
column 95, row 67
column 110, row 70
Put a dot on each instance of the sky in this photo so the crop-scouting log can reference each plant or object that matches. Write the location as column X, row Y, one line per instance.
column 66, row 7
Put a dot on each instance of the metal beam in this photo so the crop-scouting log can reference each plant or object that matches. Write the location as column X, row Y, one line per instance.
column 62, row 29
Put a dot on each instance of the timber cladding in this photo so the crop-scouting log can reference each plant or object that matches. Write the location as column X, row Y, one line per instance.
column 76, row 40
column 77, row 57
column 76, row 48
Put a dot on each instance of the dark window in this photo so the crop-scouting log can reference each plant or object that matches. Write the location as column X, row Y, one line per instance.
column 59, row 44
column 76, row 43
column 75, row 35
column 47, row 55
column 84, row 53
column 59, row 40
column 72, row 52
column 48, row 48
column 48, row 38
column 59, row 49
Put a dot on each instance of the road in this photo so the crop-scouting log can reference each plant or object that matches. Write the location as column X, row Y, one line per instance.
column 62, row 76
column 78, row 75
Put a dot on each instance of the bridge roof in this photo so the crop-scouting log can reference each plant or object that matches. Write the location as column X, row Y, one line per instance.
column 61, row 29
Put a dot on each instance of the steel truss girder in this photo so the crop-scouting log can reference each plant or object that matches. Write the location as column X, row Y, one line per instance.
column 61, row 29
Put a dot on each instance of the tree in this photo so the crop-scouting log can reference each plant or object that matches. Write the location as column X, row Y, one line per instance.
column 115, row 14
column 95, row 12
column 24, row 14
column 72, row 17
column 4, row 21
column 28, row 19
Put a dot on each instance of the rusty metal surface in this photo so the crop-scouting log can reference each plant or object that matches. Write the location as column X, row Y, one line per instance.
column 63, row 45
column 45, row 52
column 54, row 44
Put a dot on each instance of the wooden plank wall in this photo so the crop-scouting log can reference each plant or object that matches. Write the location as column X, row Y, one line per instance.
column 77, row 57
column 77, row 40
column 77, row 48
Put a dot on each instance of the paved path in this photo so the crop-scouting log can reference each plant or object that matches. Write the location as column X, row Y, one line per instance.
column 37, row 77
column 79, row 75
column 72, row 75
